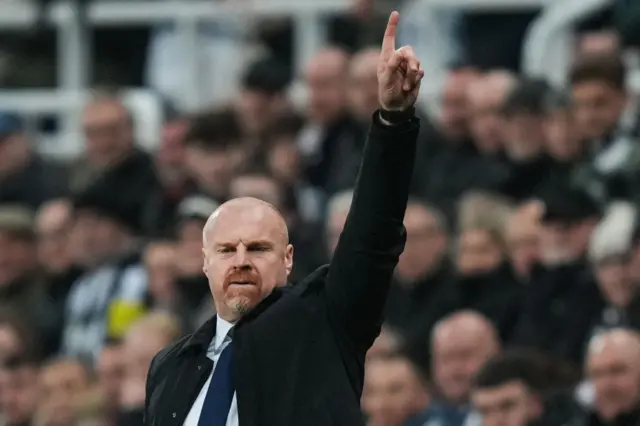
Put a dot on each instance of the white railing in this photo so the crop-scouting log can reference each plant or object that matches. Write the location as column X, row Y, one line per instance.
column 548, row 48
column 74, row 45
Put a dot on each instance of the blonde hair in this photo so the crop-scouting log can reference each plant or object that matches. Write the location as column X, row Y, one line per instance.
column 483, row 210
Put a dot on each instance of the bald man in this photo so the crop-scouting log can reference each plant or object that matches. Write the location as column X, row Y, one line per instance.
column 325, row 78
column 363, row 84
column 486, row 96
column 276, row 355
column 461, row 343
column 613, row 369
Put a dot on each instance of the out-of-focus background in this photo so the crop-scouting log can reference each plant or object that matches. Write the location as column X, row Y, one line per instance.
column 125, row 123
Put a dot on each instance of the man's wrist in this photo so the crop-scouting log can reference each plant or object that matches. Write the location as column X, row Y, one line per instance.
column 394, row 118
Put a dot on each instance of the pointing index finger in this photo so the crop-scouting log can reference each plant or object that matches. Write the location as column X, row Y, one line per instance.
column 389, row 39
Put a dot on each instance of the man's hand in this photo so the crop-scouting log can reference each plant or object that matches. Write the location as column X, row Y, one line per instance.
column 399, row 71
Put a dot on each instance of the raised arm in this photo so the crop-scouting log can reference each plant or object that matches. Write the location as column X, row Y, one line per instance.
column 373, row 237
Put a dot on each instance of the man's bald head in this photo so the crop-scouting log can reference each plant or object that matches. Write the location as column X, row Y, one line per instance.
column 619, row 340
column 53, row 215
column 246, row 254
column 325, row 78
column 466, row 325
column 247, row 205
column 363, row 83
column 330, row 57
column 612, row 367
column 461, row 343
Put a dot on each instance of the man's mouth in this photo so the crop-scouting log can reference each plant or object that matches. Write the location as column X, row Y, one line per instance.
column 241, row 283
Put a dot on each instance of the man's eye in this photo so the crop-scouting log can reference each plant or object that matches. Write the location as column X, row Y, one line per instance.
column 259, row 248
column 225, row 250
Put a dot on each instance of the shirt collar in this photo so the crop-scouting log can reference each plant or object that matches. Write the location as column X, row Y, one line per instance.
column 223, row 333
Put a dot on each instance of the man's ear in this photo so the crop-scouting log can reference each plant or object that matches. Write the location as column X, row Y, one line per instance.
column 288, row 259
column 204, row 261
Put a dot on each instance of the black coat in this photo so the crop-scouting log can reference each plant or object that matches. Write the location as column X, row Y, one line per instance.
column 299, row 355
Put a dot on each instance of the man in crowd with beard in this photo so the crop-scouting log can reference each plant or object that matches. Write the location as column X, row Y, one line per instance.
column 613, row 369
column 562, row 280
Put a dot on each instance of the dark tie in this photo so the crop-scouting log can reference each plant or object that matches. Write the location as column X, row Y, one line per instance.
column 220, row 394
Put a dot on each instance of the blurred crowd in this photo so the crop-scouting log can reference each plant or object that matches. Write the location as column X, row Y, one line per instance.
column 515, row 302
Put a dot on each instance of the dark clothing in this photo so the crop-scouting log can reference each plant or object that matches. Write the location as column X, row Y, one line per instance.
column 446, row 169
column 299, row 355
column 627, row 419
column 527, row 177
column 57, row 289
column 496, row 294
column 27, row 298
column 333, row 164
column 37, row 183
column 159, row 212
column 120, row 191
column 423, row 301
column 551, row 320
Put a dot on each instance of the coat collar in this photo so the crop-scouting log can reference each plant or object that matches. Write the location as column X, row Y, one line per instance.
column 200, row 339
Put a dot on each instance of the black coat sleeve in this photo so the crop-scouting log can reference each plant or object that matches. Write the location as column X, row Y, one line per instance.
column 373, row 237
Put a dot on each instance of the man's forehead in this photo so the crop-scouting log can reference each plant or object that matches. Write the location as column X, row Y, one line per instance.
column 244, row 224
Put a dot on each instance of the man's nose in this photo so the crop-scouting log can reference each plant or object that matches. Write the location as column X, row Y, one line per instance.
column 241, row 258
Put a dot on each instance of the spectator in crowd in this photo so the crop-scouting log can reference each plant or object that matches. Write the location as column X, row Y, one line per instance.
column 143, row 341
column 548, row 321
column 172, row 180
column 21, row 287
column 460, row 343
column 608, row 122
column 63, row 384
column 111, row 152
column 262, row 97
column 112, row 291
column 363, row 84
column 190, row 295
column 453, row 118
column 59, row 260
column 609, row 253
column 449, row 162
column 393, row 391
column 25, row 177
column 506, row 392
column 421, row 290
column 160, row 261
column 524, row 139
column 523, row 388
column 613, row 369
column 20, row 359
column 331, row 143
column 522, row 239
column 284, row 162
column 486, row 96
column 385, row 345
column 214, row 151
column 110, row 372
column 561, row 135
column 485, row 281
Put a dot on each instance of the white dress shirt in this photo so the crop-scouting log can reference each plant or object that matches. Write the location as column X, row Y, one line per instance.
column 219, row 342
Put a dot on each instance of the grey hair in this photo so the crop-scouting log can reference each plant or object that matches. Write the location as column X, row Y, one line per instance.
column 614, row 234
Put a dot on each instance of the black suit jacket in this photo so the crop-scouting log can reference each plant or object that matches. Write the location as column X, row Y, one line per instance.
column 299, row 355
